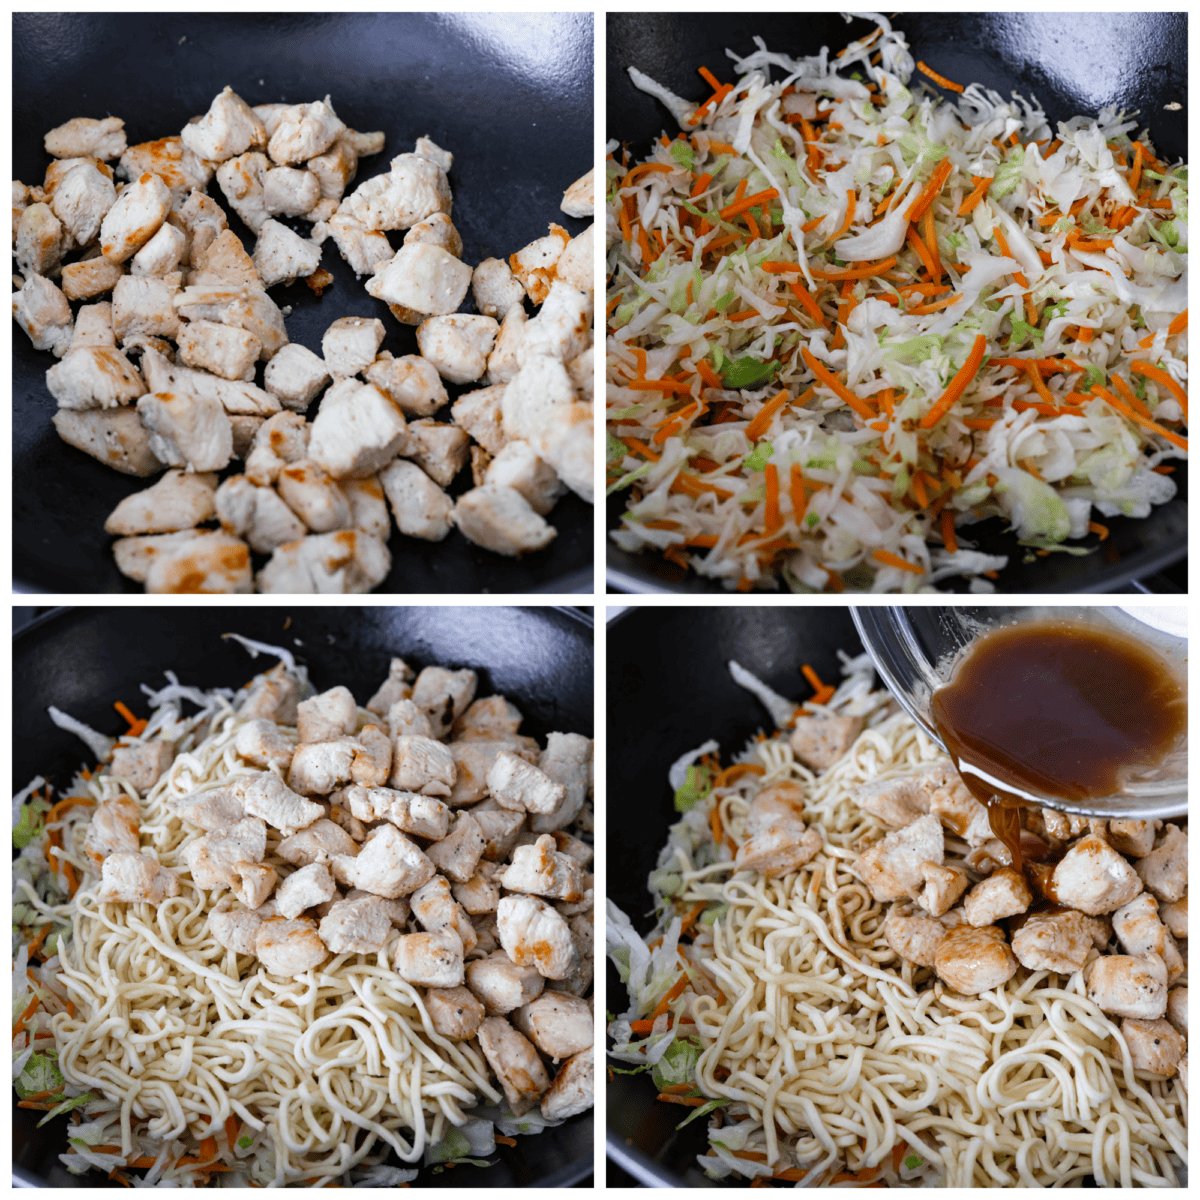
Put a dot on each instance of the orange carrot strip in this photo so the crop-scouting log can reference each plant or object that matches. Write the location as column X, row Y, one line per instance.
column 1137, row 418
column 810, row 305
column 708, row 375
column 762, row 420
column 931, row 241
column 1002, row 242
column 851, row 205
column 1039, row 386
column 1086, row 333
column 862, row 272
column 772, row 521
column 676, row 991
column 745, row 203
column 936, row 182
column 1128, row 396
column 701, row 185
column 688, row 921
column 922, row 251
column 658, row 385
column 1135, row 174
column 1138, row 367
column 799, row 499
column 981, row 187
column 940, row 80
column 957, row 385
column 948, row 538
column 836, row 386
column 1096, row 528
column 734, row 773
column 892, row 560
column 65, row 803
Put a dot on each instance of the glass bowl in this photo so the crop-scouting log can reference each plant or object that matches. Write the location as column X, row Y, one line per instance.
column 915, row 651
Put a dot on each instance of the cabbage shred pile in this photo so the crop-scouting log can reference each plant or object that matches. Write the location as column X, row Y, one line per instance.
column 848, row 321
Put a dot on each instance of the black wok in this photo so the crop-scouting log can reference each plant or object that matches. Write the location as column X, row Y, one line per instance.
column 83, row 660
column 509, row 94
column 669, row 690
column 1074, row 63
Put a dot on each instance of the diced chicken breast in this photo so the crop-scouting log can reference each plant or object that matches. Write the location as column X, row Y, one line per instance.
column 516, row 1063
column 256, row 514
column 557, row 1023
column 437, row 447
column 335, row 168
column 406, row 719
column 320, row 842
column 541, row 871
column 113, row 829
column 1174, row 916
column 499, row 828
column 435, row 908
column 388, row 865
column 565, row 442
column 502, row 362
column 1053, row 941
column 357, row 431
column 431, row 959
column 319, row 767
column 1003, row 894
column 179, row 500
column 912, row 936
column 373, row 760
column 420, row 815
column 1164, row 869
column 229, row 127
column 579, row 199
column 410, row 382
column 86, row 137
column 534, row 265
column 1135, row 838
column 305, row 888
column 427, row 148
column 563, row 327
column 282, row 256
column 364, row 249
column 943, row 886
column 421, row 509
column 424, row 279
column 1177, row 1008
column 187, row 429
column 480, row 414
column 348, row 562
column 265, row 744
column 290, row 192
column 82, row 197
column 274, row 696
column 224, row 262
column 144, row 305
column 202, row 218
column 129, row 878
column 215, row 809
column 573, row 1089
column 329, row 715
column 535, row 390
column 480, row 894
column 213, row 858
column 444, row 695
column 302, row 131
column 1128, row 987
column 574, row 265
column 776, row 839
column 501, row 984
column 242, row 179
column 201, row 562
column 458, row 345
column 1154, row 1046
column 394, row 688
column 517, row 466
column 134, row 218
column 288, row 947
column 1094, row 878
column 396, row 911
column 472, row 761
column 421, row 764
column 581, row 371
column 534, row 934
column 296, row 376
column 891, row 868
column 43, row 312
column 309, row 491
column 368, row 506
column 454, row 1013
column 162, row 254
column 818, row 742
column 235, row 929
column 457, row 855
column 412, row 190
column 502, row 520
column 436, row 230
column 223, row 350
column 973, row 961
column 253, row 884
column 520, row 786
column 350, row 345
column 1138, row 928
column 961, row 813
column 280, row 440
column 266, row 795
column 142, row 765
column 246, row 307
column 495, row 288
column 40, row 243
column 92, row 277
column 488, row 718
column 356, row 926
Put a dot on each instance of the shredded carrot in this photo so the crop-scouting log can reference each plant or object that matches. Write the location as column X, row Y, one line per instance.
column 746, row 203
column 721, row 147
column 970, row 203
column 658, row 385
column 809, row 304
column 892, row 560
column 714, row 822
column 646, row 169
column 1086, row 332
column 231, row 1130
column 1135, row 174
column 799, row 500
column 922, row 251
column 948, row 538
column 1127, row 394
column 708, row 375
column 824, row 692
column 678, row 987
column 1097, row 528
column 862, row 272
column 1137, row 367
column 504, row 1141
column 772, row 521
column 641, row 448
column 1136, row 417
column 734, row 773
column 957, row 385
column 940, row 80
column 936, row 182
column 851, row 205
column 36, row 944
column 690, row 1101
column 836, row 386
column 691, row 486
column 700, row 186
column 1002, row 242
column 762, row 420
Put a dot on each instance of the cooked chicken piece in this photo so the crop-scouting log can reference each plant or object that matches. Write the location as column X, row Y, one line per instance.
column 134, row 218
column 1164, row 869
column 533, row 934
column 303, row 131
column 187, row 430
column 177, row 501
column 145, row 305
column 1174, row 916
column 565, row 442
column 267, row 796
column 394, row 688
column 540, row 386
column 472, row 761
column 501, row 519
column 516, row 1063
column 486, row 719
column 454, row 1013
column 224, row 262
column 356, row 926
column 577, row 981
column 114, row 828
column 245, row 429
column 319, row 767
column 517, row 466
column 436, row 909
column 43, row 312
column 203, row 561
column 93, row 277
column 91, row 377
column 1094, row 878
column 557, row 1023
column 264, row 744
column 1128, row 987
column 420, row 764
column 501, row 984
column 248, row 308
column 81, row 197
column 405, row 719
column 427, row 148
column 217, row 809
column 305, row 888
column 40, row 243
column 973, row 961
column 480, row 894
column 458, row 345
column 444, row 695
column 130, row 878
column 349, row 562
column 242, row 182
column 585, row 904
column 357, row 431
column 223, row 350
column 581, row 371
column 363, row 248
column 412, row 190
column 563, row 327
column 85, row 137
column 388, row 864
column 162, row 254
column 290, row 192
column 235, row 929
column 499, row 828
column 776, row 840
column 541, row 871
column 1056, row 941
column 502, row 362
column 432, row 959
column 229, row 127
column 1154, row 1046
column 274, row 696
column 282, row 256
column 313, row 496
column 256, row 514
column 1003, row 894
column 961, row 813
column 1135, row 838
column 280, row 440
column 818, row 742
column 518, row 785
column 534, row 265
column 943, row 886
column 891, row 868
column 578, row 199
column 457, row 855
column 288, row 947
column 1177, row 1008
column 912, row 936
column 495, row 288
column 580, row 851
column 479, row 413
column 350, row 344
column 436, row 230
column 320, row 842
column 253, row 884
column 329, row 715
column 116, row 437
column 368, row 506
column 425, row 279
column 335, row 168
column 410, row 382
column 213, row 858
column 573, row 1089
column 396, row 911
column 420, row 508
column 489, row 937
column 438, row 448
column 574, row 265
column 1139, row 929
column 202, row 219
column 420, row 815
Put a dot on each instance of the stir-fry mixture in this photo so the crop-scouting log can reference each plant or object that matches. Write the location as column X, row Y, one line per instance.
column 847, row 320
column 288, row 941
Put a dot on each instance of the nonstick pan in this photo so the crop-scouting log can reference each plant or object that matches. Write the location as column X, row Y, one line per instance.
column 1074, row 63
column 83, row 660
column 509, row 94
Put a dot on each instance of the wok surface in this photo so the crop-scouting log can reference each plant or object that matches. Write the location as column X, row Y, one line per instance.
column 82, row 660
column 1134, row 60
column 509, row 94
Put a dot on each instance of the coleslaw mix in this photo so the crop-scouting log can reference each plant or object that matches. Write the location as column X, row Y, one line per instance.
column 848, row 319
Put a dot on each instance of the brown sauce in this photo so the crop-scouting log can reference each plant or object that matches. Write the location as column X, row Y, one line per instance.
column 1058, row 709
